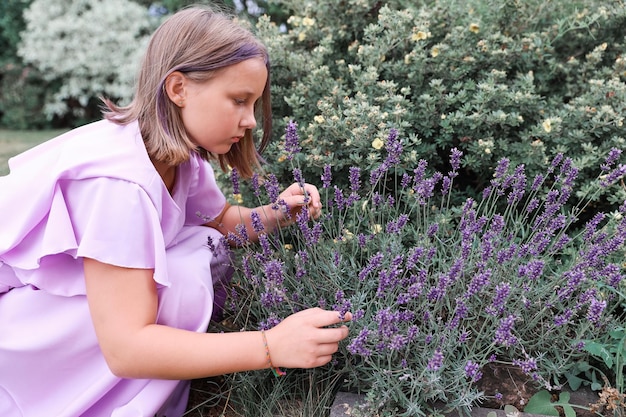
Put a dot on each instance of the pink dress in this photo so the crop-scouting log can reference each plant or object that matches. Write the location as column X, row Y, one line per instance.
column 93, row 192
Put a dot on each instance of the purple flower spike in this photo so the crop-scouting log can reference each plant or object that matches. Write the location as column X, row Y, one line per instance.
column 327, row 176
column 436, row 361
column 292, row 140
column 234, row 179
column 455, row 159
column 472, row 371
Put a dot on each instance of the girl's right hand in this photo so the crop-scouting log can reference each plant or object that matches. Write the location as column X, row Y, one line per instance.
column 303, row 339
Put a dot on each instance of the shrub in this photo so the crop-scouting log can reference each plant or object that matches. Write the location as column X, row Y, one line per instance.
column 23, row 93
column 522, row 80
column 438, row 291
column 90, row 48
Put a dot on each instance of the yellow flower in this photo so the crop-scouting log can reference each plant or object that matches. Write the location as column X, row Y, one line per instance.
column 434, row 52
column 420, row 36
column 288, row 246
column 377, row 143
column 238, row 198
column 377, row 228
column 319, row 119
column 547, row 125
column 282, row 158
column 474, row 27
column 307, row 21
column 301, row 36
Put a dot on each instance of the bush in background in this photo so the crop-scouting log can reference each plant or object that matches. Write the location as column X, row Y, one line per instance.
column 22, row 90
column 522, row 80
column 88, row 48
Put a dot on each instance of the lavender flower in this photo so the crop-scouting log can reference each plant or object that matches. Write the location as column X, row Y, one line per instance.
column 272, row 188
column 563, row 319
column 374, row 263
column 446, row 183
column 527, row 366
column 327, row 176
column 610, row 159
column 497, row 305
column 355, row 180
column 537, row 181
column 455, row 159
column 358, row 345
column 478, row 282
column 419, row 172
column 395, row 226
column 243, row 232
column 504, row 335
column 406, row 181
column 274, row 293
column 393, row 146
column 595, row 311
column 292, row 140
column 343, row 304
column 532, row 270
column 297, row 175
column 501, row 169
column 518, row 185
column 257, row 224
column 436, row 361
column 234, row 179
column 472, row 371
column 613, row 176
column 256, row 187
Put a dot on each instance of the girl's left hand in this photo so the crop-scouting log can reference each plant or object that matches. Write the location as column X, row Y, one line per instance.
column 296, row 197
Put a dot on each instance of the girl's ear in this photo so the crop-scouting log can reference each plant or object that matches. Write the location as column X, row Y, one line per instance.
column 175, row 84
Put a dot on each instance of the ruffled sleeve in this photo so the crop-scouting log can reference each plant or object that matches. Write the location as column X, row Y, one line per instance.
column 205, row 200
column 111, row 220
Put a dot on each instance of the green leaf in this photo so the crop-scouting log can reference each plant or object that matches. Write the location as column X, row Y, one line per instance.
column 563, row 401
column 541, row 403
column 600, row 350
column 574, row 382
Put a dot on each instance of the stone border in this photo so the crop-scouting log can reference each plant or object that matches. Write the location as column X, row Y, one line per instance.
column 345, row 401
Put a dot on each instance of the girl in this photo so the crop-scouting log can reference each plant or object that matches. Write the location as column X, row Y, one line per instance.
column 106, row 279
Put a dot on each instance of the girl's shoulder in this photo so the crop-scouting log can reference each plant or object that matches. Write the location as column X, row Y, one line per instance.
column 99, row 149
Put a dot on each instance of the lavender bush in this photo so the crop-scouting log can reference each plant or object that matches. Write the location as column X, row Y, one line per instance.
column 438, row 291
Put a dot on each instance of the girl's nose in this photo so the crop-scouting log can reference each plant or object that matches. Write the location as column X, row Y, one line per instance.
column 249, row 120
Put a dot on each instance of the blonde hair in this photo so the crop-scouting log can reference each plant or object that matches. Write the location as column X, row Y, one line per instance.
column 196, row 41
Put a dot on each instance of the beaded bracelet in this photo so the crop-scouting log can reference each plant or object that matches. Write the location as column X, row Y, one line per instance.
column 276, row 371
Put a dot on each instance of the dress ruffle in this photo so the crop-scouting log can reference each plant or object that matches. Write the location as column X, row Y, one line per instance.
column 93, row 192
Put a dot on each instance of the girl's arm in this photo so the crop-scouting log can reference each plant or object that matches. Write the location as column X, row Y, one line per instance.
column 294, row 197
column 123, row 304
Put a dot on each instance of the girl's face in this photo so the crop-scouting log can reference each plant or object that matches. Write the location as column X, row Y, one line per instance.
column 217, row 113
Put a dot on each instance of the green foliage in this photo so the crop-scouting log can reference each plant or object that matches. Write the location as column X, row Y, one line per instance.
column 523, row 80
column 89, row 48
column 23, row 93
column 11, row 24
column 541, row 403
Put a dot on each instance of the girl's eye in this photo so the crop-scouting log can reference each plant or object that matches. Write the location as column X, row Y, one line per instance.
column 240, row 101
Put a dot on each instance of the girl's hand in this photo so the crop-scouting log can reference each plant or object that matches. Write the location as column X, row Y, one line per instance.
column 296, row 197
column 303, row 339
